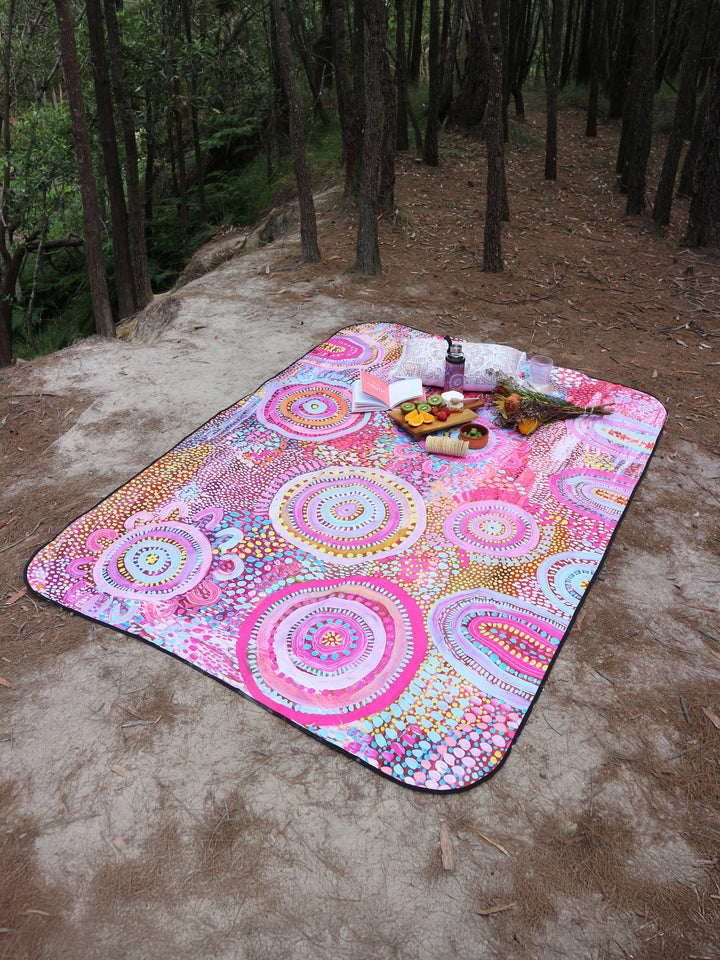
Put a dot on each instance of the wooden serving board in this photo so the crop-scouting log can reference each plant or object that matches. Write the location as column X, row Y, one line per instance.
column 417, row 433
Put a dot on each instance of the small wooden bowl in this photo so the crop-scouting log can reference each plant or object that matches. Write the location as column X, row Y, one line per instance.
column 476, row 443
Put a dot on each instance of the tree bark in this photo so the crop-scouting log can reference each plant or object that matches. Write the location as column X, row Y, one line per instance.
column 492, row 240
column 357, row 46
column 308, row 225
column 136, row 225
column 684, row 107
column 642, row 83
column 367, row 262
column 91, row 213
column 552, row 29
column 687, row 174
column 473, row 93
column 124, row 288
column 430, row 151
column 344, row 94
column 703, row 227
column 621, row 59
column 194, row 122
column 386, row 189
column 415, row 54
column 597, row 12
column 448, row 77
column 10, row 273
column 401, row 136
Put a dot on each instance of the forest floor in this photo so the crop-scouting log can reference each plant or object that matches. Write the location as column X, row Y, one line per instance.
column 146, row 811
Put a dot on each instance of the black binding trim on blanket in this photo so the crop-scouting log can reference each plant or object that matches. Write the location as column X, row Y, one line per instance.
column 305, row 730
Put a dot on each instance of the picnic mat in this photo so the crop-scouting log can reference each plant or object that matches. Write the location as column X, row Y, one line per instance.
column 402, row 607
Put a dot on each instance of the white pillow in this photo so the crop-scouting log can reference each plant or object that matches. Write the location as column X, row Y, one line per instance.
column 485, row 363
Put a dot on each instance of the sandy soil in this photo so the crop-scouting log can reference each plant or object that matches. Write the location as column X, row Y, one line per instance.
column 148, row 812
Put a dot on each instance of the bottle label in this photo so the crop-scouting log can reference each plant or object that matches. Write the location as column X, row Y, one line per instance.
column 454, row 377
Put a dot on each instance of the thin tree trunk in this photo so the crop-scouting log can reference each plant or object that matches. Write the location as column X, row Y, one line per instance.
column 687, row 174
column 116, row 194
column 473, row 93
column 150, row 151
column 91, row 214
column 386, row 189
column 10, row 264
column 643, row 86
column 357, row 46
column 344, row 93
column 684, row 107
column 10, row 273
column 401, row 137
column 141, row 268
column 703, row 227
column 368, row 248
column 492, row 240
column 415, row 54
column 446, row 88
column 553, row 30
column 430, row 152
column 622, row 60
column 182, row 184
column 308, row 224
column 194, row 123
column 598, row 14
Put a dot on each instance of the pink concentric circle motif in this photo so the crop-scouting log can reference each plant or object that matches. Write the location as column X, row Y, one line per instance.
column 345, row 350
column 349, row 515
column 317, row 411
column 327, row 652
column 154, row 561
column 498, row 643
column 499, row 531
column 564, row 578
column 593, row 493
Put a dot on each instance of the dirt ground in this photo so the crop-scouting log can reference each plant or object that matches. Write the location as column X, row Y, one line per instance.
column 148, row 813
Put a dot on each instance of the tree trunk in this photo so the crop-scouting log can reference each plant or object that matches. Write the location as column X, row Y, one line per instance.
column 141, row 268
column 176, row 122
column 344, row 94
column 401, row 135
column 386, row 190
column 703, row 227
column 622, row 58
column 357, row 46
column 10, row 273
column 91, row 214
column 415, row 54
column 308, row 225
column 598, row 15
column 448, row 77
column 430, row 152
column 368, row 248
column 492, row 241
column 150, row 151
column 583, row 60
column 687, row 174
column 194, row 122
column 553, row 30
column 642, row 83
column 684, row 108
column 116, row 194
column 473, row 92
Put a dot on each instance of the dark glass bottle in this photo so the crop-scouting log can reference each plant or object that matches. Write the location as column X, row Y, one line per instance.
column 454, row 366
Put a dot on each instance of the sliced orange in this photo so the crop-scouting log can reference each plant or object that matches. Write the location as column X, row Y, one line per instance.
column 414, row 418
column 427, row 417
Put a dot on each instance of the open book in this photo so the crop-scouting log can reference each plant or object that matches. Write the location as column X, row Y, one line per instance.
column 372, row 393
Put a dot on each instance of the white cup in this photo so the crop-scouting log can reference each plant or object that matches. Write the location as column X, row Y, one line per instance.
column 540, row 371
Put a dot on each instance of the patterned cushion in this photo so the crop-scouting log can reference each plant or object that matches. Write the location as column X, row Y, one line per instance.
column 485, row 363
